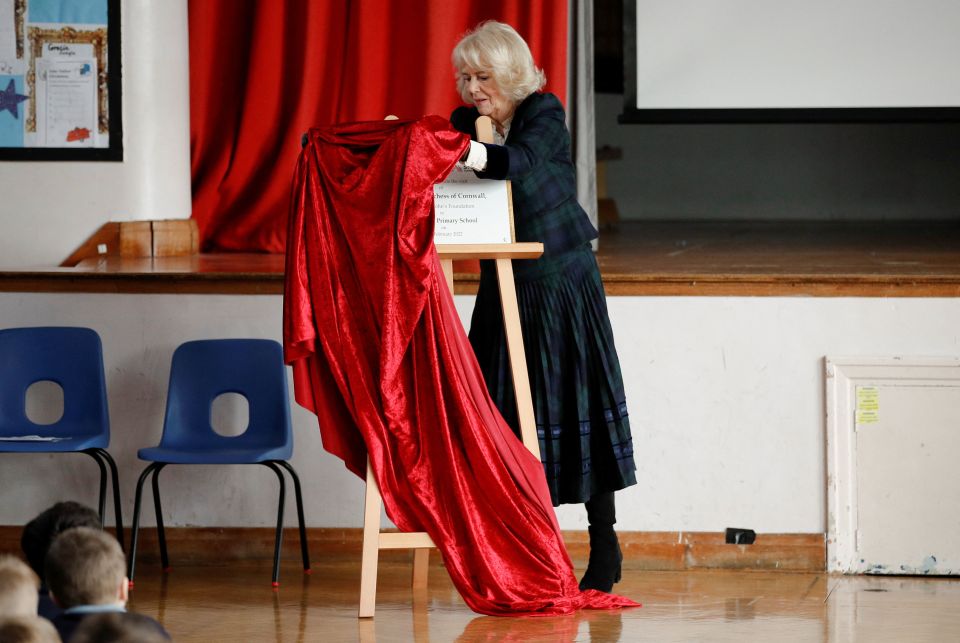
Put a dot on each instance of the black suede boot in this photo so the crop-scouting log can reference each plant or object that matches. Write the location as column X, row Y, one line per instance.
column 603, row 570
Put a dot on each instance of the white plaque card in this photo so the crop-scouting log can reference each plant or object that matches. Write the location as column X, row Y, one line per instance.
column 472, row 210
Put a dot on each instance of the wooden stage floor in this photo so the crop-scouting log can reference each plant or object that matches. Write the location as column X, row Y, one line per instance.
column 862, row 259
column 207, row 604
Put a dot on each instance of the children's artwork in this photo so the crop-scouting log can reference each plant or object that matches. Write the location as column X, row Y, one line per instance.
column 11, row 29
column 67, row 102
column 11, row 110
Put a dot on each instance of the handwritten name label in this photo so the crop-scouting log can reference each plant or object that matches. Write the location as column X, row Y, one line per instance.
column 67, row 50
column 472, row 210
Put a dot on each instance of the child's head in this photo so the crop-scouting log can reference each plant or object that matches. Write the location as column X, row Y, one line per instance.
column 42, row 530
column 18, row 588
column 119, row 627
column 86, row 567
column 27, row 629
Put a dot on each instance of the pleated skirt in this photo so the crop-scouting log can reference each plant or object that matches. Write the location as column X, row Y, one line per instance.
column 575, row 379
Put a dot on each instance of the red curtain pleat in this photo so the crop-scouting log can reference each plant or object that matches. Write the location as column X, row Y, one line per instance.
column 262, row 72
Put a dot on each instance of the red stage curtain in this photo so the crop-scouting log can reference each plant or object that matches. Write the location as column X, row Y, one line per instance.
column 262, row 72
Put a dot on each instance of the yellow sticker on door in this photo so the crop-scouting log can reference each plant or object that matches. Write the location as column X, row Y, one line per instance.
column 868, row 405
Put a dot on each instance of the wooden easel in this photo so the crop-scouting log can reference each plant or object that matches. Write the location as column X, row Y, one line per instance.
column 373, row 539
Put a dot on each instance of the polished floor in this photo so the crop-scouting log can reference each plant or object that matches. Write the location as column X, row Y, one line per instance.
column 238, row 604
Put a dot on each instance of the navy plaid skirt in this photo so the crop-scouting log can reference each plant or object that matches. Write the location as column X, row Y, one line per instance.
column 575, row 379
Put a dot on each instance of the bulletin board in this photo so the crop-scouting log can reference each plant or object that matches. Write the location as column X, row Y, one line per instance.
column 60, row 80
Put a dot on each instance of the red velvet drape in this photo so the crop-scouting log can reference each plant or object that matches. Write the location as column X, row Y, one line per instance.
column 262, row 72
column 380, row 355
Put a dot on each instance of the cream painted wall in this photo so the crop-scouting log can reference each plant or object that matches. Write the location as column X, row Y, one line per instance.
column 50, row 208
column 726, row 399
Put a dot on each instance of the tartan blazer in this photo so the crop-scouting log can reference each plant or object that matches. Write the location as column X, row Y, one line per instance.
column 536, row 159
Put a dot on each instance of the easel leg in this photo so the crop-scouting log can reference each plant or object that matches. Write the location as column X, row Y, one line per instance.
column 518, row 361
column 371, row 546
column 421, row 567
column 447, row 266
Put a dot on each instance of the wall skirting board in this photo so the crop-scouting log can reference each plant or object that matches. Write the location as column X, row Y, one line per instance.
column 650, row 550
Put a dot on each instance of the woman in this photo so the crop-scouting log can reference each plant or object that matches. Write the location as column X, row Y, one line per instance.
column 575, row 379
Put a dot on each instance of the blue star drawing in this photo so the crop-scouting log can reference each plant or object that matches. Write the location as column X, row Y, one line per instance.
column 85, row 69
column 9, row 99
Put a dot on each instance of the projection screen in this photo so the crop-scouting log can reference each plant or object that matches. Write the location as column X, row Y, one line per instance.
column 743, row 60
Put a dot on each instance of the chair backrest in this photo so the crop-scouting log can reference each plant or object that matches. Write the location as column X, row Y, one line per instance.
column 72, row 358
column 202, row 370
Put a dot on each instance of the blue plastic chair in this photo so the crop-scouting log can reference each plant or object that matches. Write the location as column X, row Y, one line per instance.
column 201, row 371
column 73, row 359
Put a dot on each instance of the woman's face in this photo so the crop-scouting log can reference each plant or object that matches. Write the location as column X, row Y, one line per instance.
column 482, row 89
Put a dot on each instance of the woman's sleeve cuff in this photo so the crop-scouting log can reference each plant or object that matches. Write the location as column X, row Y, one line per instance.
column 477, row 157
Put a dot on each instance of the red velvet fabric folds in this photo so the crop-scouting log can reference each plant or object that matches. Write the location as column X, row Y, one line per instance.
column 380, row 355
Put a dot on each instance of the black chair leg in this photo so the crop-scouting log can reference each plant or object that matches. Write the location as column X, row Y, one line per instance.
column 158, row 510
column 304, row 552
column 135, row 527
column 102, row 504
column 115, row 480
column 279, row 537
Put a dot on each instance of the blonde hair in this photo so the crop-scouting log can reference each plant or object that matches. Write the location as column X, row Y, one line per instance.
column 28, row 629
column 497, row 48
column 18, row 588
column 85, row 567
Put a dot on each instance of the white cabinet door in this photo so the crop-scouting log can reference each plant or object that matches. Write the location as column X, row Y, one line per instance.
column 894, row 481
column 908, row 482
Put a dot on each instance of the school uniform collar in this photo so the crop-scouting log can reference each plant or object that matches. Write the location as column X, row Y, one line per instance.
column 94, row 609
